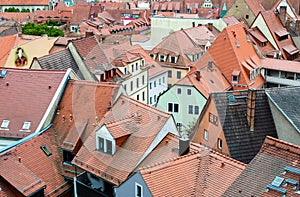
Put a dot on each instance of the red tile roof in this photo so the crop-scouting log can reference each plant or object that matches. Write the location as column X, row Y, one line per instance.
column 255, row 6
column 203, row 172
column 146, row 125
column 29, row 162
column 232, row 51
column 80, row 14
column 274, row 156
column 82, row 106
column 27, row 2
column 18, row 16
column 28, row 94
column 7, row 43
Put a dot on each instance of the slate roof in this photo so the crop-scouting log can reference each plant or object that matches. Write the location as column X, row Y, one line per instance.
column 146, row 124
column 201, row 173
column 29, row 162
column 20, row 89
column 287, row 101
column 270, row 162
column 242, row 143
column 61, row 60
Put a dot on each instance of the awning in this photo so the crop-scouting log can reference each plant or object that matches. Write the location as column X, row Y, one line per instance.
column 281, row 33
column 290, row 49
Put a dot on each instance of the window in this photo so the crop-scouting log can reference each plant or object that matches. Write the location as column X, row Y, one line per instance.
column 138, row 190
column 190, row 109
column 137, row 82
column 108, row 147
column 173, row 107
column 46, row 150
column 169, row 73
column 138, row 97
column 132, row 68
column 136, row 66
column 151, row 100
column 219, row 143
column 164, row 80
column 131, row 85
column 189, row 92
column 143, row 62
column 159, row 81
column 234, row 78
column 213, row 119
column 162, row 58
column 196, row 111
column 125, row 70
column 150, row 86
column 178, row 90
column 101, row 144
column 143, row 96
column 173, row 59
column 247, row 16
column 143, row 79
column 4, row 124
column 125, row 87
column 26, row 125
column 205, row 134
column 154, row 83
column 154, row 98
column 178, row 74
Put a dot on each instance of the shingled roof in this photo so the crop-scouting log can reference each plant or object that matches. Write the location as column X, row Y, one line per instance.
column 287, row 100
column 271, row 161
column 61, row 60
column 204, row 173
column 244, row 144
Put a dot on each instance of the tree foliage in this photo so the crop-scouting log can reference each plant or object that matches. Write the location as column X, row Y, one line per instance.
column 40, row 29
column 13, row 9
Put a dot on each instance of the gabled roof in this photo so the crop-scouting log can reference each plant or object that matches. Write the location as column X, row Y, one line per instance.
column 28, row 94
column 29, row 162
column 232, row 51
column 255, row 6
column 147, row 127
column 243, row 144
column 200, row 35
column 271, row 161
column 209, row 79
column 287, row 101
column 21, row 2
column 80, row 13
column 93, row 55
column 281, row 65
column 82, row 106
column 61, row 60
column 20, row 17
column 7, row 43
column 203, row 172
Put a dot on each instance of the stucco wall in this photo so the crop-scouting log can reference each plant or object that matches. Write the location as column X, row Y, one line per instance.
column 240, row 9
column 159, row 89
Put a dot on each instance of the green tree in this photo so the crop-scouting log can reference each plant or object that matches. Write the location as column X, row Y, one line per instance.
column 40, row 29
column 12, row 9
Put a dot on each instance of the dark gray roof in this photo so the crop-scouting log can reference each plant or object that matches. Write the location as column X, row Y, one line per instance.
column 287, row 101
column 244, row 144
column 61, row 60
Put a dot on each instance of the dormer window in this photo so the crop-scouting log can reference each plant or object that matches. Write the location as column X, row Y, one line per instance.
column 235, row 76
column 26, row 126
column 173, row 59
column 4, row 124
column 105, row 145
column 153, row 56
column 162, row 58
column 282, row 34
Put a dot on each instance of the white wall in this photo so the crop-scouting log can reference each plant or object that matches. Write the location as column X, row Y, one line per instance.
column 161, row 86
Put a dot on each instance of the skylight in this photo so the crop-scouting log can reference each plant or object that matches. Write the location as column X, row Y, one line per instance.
column 4, row 124
column 26, row 125
column 46, row 150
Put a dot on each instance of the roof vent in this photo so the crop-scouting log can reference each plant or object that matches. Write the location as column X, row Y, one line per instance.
column 3, row 73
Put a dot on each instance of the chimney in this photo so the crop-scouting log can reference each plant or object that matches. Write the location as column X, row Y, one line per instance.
column 210, row 26
column 198, row 75
column 184, row 144
column 282, row 14
column 251, row 101
column 297, row 25
column 287, row 26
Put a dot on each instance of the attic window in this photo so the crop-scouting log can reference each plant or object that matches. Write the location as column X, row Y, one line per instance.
column 219, row 143
column 162, row 58
column 46, row 150
column 235, row 76
column 4, row 124
column 105, row 145
column 173, row 59
column 282, row 34
column 26, row 125
column 138, row 190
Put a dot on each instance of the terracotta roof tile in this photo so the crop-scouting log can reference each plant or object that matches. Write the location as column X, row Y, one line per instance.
column 283, row 65
column 19, row 87
column 21, row 2
column 7, row 43
column 275, row 155
column 230, row 49
column 18, row 16
column 80, row 13
column 204, row 172
column 21, row 164
column 116, row 168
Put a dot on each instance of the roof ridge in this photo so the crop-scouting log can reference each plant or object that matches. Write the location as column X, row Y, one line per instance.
column 119, row 121
column 164, row 163
column 227, row 158
column 153, row 109
column 274, row 142
column 94, row 83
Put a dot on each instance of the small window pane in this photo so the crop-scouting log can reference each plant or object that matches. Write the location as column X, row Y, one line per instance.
column 170, row 107
column 176, row 107
column 26, row 125
column 178, row 90
column 205, row 134
column 170, row 74
column 108, row 147
column 5, row 124
column 219, row 143
column 190, row 111
column 197, row 110
column 189, row 92
column 178, row 74
column 101, row 144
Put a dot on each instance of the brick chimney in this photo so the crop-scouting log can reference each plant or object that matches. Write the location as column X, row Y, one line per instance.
column 251, row 102
column 184, row 144
column 297, row 25
column 282, row 14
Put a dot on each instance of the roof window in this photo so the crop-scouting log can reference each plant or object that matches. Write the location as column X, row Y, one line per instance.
column 26, row 125
column 4, row 124
column 46, row 150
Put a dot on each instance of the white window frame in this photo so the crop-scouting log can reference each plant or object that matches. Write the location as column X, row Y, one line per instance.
column 189, row 91
column 26, row 126
column 136, row 190
column 190, row 107
column 220, row 143
column 4, row 124
column 205, row 134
